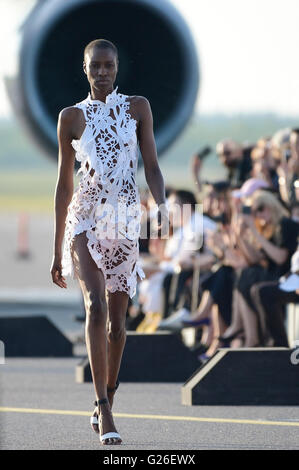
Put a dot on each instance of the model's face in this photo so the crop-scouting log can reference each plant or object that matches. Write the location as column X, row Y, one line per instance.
column 100, row 66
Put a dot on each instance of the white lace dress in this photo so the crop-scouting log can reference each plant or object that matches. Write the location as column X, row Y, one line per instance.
column 106, row 203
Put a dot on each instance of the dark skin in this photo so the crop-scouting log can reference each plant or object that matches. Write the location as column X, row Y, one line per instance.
column 105, row 324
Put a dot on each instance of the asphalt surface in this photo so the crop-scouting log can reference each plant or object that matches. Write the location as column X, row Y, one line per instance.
column 42, row 407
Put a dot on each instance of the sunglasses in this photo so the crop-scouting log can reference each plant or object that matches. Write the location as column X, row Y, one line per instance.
column 226, row 153
column 260, row 208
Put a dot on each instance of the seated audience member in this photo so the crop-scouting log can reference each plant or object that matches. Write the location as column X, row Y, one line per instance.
column 177, row 254
column 219, row 214
column 270, row 300
column 267, row 238
column 216, row 304
column 219, row 285
column 234, row 260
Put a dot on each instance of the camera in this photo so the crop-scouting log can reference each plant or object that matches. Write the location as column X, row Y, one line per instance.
column 246, row 210
column 201, row 154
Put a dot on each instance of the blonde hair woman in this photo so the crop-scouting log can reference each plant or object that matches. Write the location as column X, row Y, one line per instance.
column 267, row 238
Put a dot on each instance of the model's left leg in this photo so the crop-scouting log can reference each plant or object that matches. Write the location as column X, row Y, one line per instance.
column 119, row 263
column 117, row 308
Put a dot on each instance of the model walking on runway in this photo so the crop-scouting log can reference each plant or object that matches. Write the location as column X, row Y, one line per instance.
column 103, row 132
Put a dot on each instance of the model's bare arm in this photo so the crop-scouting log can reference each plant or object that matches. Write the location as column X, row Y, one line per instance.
column 64, row 188
column 148, row 151
column 152, row 170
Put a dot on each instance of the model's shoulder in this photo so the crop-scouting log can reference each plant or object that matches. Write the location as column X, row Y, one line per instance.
column 140, row 101
column 69, row 114
column 140, row 106
column 71, row 117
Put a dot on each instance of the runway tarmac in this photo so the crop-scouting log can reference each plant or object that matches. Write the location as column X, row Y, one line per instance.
column 42, row 407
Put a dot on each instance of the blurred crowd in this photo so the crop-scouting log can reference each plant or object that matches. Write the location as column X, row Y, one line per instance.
column 230, row 264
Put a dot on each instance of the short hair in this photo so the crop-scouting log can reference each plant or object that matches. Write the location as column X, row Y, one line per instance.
column 185, row 197
column 101, row 44
column 221, row 186
column 228, row 143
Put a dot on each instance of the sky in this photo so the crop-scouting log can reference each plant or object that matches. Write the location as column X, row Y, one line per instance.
column 247, row 51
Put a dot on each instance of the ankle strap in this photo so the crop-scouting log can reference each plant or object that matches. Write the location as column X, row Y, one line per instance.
column 113, row 389
column 103, row 401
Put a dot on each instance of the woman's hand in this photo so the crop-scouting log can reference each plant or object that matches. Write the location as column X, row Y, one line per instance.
column 240, row 225
column 216, row 240
column 248, row 221
column 55, row 271
column 234, row 258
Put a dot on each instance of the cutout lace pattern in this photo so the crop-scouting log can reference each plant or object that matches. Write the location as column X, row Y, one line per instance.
column 108, row 153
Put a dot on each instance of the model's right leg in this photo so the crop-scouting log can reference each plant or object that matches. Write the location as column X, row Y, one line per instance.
column 92, row 284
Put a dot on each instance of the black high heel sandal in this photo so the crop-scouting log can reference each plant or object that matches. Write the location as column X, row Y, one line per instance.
column 108, row 435
column 94, row 421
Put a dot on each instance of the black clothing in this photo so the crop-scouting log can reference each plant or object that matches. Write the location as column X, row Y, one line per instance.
column 286, row 238
column 274, row 179
column 170, row 306
column 220, row 284
column 251, row 275
column 270, row 302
